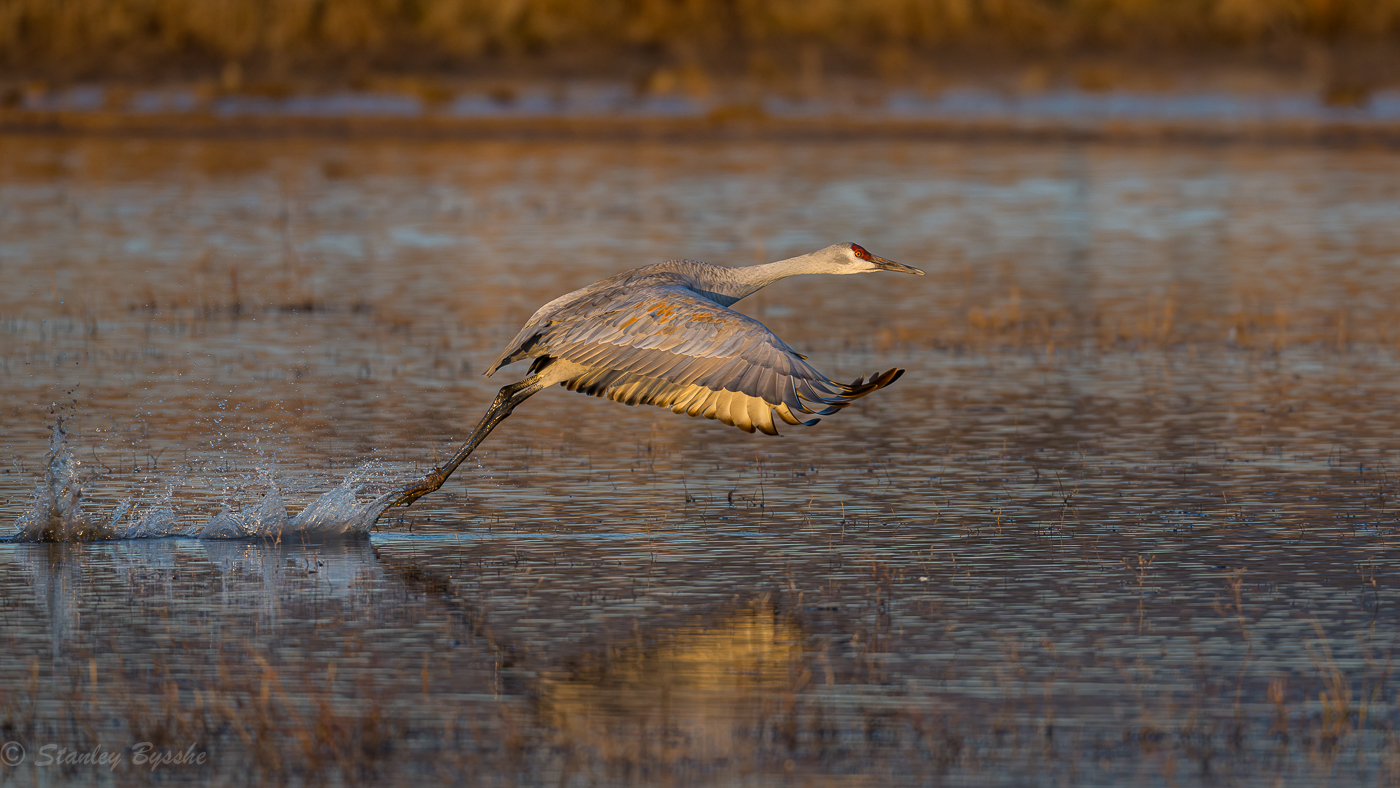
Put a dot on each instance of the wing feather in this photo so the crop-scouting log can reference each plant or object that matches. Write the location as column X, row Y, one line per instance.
column 655, row 341
column 734, row 408
column 701, row 405
column 712, row 405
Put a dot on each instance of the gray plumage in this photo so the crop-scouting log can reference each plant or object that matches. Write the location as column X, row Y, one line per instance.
column 664, row 335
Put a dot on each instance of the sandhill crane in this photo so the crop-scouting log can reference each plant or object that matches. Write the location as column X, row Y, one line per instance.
column 664, row 335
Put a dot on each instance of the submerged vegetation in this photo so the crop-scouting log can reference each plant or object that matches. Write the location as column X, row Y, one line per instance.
column 228, row 39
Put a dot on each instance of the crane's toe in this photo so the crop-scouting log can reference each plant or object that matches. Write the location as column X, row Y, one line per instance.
column 420, row 488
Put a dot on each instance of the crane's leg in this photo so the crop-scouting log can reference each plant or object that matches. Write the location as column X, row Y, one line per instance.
column 509, row 397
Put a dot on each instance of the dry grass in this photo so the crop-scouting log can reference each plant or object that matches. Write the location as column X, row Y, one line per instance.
column 102, row 38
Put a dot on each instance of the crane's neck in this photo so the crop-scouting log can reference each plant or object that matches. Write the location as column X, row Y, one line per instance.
column 737, row 283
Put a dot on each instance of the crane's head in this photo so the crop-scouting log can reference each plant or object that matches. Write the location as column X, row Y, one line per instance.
column 853, row 259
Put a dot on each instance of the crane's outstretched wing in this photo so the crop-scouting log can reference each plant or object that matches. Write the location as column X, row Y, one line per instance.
column 666, row 345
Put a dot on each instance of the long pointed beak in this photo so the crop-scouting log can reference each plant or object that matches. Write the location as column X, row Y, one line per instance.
column 890, row 265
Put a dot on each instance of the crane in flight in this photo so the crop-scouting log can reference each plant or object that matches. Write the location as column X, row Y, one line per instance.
column 664, row 335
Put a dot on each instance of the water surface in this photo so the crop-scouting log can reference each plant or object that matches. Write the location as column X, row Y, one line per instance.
column 1128, row 518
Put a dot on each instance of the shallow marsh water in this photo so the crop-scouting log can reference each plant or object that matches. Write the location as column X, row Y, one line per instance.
column 1128, row 518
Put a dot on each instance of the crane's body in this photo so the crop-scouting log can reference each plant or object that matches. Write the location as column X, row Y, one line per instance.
column 664, row 335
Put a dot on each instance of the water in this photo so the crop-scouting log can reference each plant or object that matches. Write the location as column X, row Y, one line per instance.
column 1211, row 109
column 1127, row 519
column 56, row 512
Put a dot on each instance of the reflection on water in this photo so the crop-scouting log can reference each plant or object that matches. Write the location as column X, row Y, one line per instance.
column 687, row 694
column 580, row 659
column 1128, row 518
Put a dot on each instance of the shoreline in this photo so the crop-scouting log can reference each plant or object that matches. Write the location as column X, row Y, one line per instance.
column 719, row 126
column 1214, row 113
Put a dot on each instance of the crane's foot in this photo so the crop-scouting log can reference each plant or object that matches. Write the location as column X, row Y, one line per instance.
column 420, row 488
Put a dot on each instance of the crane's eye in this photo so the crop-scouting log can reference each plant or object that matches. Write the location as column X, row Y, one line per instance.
column 860, row 251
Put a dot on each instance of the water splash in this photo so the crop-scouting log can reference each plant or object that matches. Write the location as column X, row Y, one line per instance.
column 340, row 511
column 268, row 520
column 56, row 514
column 335, row 513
